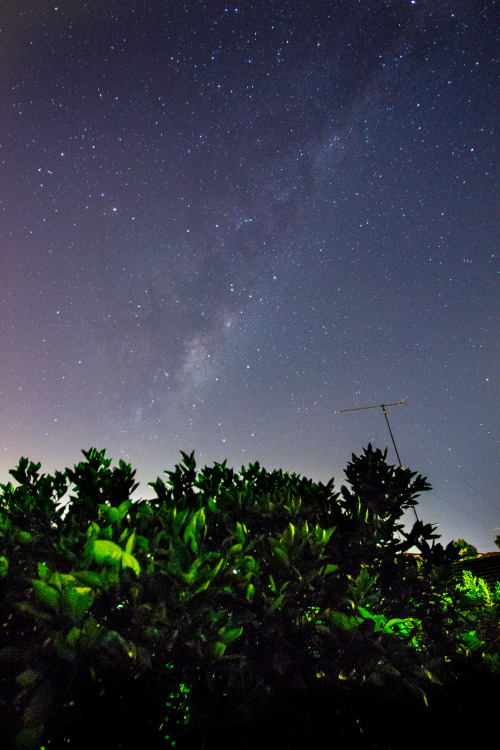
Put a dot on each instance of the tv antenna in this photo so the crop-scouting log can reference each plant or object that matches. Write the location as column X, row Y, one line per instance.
column 384, row 407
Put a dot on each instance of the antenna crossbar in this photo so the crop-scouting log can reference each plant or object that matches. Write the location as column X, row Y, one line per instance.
column 377, row 406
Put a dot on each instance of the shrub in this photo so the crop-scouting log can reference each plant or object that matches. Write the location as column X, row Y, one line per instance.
column 231, row 604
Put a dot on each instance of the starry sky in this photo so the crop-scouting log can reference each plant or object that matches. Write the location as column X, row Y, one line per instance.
column 224, row 223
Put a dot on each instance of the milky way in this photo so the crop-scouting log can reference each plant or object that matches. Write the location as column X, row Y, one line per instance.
column 223, row 223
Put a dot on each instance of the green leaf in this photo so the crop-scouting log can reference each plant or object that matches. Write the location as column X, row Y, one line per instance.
column 250, row 563
column 89, row 578
column 44, row 571
column 241, row 531
column 129, row 561
column 471, row 640
column 191, row 576
column 73, row 636
column 328, row 534
column 191, row 532
column 4, row 566
column 319, row 534
column 61, row 580
column 75, row 603
column 231, row 634
column 30, row 737
column 123, row 536
column 179, row 517
column 129, row 547
column 282, row 554
column 46, row 594
column 341, row 620
column 430, row 676
column 278, row 602
column 92, row 632
column 28, row 678
column 33, row 612
column 250, row 591
column 36, row 710
column 401, row 624
column 216, row 569
column 218, row 649
column 142, row 542
column 203, row 587
column 123, row 509
column 56, row 581
column 114, row 642
column 110, row 514
column 93, row 530
column 288, row 535
column 329, row 569
column 105, row 551
column 365, row 613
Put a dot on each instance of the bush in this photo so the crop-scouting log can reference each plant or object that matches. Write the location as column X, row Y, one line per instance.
column 230, row 607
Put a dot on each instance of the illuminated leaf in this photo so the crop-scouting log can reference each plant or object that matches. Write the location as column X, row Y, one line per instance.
column 218, row 649
column 46, row 594
column 230, row 635
column 73, row 636
column 75, row 603
column 278, row 602
column 250, row 563
column 282, row 554
column 288, row 535
column 204, row 586
column 329, row 569
column 105, row 551
column 43, row 571
column 130, row 542
column 111, row 514
column 123, row 509
column 61, row 580
column 216, row 569
column 129, row 561
column 89, row 578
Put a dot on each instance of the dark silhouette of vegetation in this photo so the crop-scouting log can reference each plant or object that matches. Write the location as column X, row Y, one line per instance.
column 234, row 608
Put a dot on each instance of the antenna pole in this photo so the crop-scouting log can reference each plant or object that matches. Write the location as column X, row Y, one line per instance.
column 392, row 436
column 383, row 407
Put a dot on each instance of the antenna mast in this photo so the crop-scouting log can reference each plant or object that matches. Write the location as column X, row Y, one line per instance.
column 383, row 407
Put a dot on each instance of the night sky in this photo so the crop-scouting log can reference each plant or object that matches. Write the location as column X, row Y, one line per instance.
column 223, row 223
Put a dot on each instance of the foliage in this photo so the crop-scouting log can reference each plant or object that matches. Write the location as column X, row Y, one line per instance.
column 466, row 551
column 478, row 590
column 243, row 603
